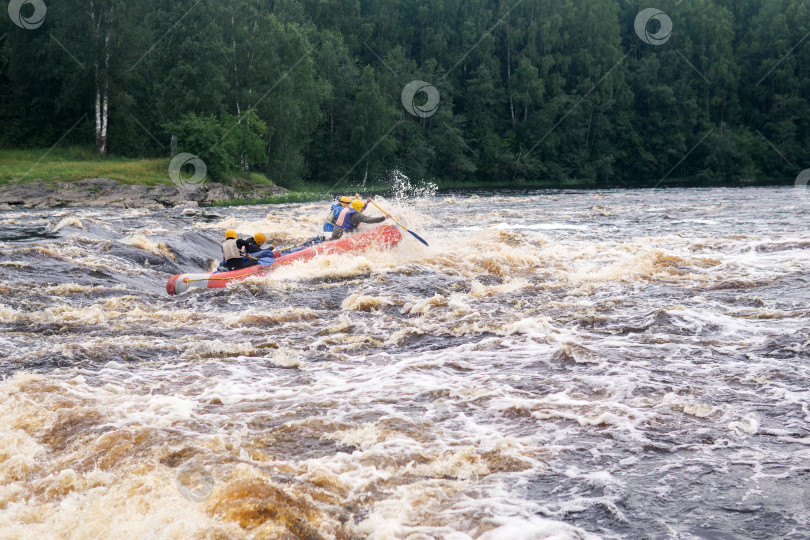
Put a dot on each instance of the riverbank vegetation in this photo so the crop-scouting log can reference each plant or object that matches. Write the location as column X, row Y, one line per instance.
column 79, row 162
column 76, row 163
column 310, row 93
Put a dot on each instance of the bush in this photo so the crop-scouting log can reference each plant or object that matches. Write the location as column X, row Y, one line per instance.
column 227, row 145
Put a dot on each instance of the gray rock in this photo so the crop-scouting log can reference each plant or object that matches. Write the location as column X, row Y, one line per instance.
column 218, row 192
column 35, row 192
column 108, row 192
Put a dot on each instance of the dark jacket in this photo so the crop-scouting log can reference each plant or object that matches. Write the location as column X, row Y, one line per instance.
column 249, row 244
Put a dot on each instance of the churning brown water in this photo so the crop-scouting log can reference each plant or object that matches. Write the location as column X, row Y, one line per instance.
column 619, row 364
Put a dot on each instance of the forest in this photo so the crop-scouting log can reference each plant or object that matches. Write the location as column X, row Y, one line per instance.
column 319, row 92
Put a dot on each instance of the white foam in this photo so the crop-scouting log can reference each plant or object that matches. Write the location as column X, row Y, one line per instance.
column 536, row 528
column 528, row 227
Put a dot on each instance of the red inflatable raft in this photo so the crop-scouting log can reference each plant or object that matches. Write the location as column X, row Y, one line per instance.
column 381, row 237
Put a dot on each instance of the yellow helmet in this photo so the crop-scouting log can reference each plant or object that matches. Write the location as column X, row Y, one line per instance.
column 259, row 237
column 230, row 233
column 357, row 204
column 345, row 200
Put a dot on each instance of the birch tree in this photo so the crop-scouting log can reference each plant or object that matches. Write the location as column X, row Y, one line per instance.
column 101, row 14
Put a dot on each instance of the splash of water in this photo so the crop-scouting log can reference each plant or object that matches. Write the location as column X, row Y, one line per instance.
column 403, row 188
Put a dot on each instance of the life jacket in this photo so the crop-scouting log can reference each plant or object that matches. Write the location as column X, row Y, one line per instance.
column 344, row 220
column 334, row 212
column 229, row 250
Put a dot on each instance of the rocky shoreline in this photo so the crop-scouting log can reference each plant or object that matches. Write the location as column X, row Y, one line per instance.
column 108, row 192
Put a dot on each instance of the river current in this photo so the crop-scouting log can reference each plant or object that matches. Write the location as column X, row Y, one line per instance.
column 556, row 364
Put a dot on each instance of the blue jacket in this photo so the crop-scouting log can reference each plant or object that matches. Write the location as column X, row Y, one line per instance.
column 344, row 220
column 334, row 212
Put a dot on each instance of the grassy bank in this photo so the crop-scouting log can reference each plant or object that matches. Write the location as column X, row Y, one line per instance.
column 291, row 197
column 75, row 163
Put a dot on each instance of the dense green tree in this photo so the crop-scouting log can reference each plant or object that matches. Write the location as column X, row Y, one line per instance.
column 225, row 144
column 538, row 90
column 372, row 136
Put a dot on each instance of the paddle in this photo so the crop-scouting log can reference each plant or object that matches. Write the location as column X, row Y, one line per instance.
column 401, row 225
column 282, row 250
column 305, row 243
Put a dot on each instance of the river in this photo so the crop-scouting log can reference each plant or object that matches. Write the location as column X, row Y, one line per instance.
column 568, row 364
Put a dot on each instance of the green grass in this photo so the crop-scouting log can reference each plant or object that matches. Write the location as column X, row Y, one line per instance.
column 75, row 163
column 291, row 197
column 260, row 179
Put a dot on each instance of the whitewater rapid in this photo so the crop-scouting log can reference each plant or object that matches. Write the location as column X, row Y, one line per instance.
column 556, row 364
